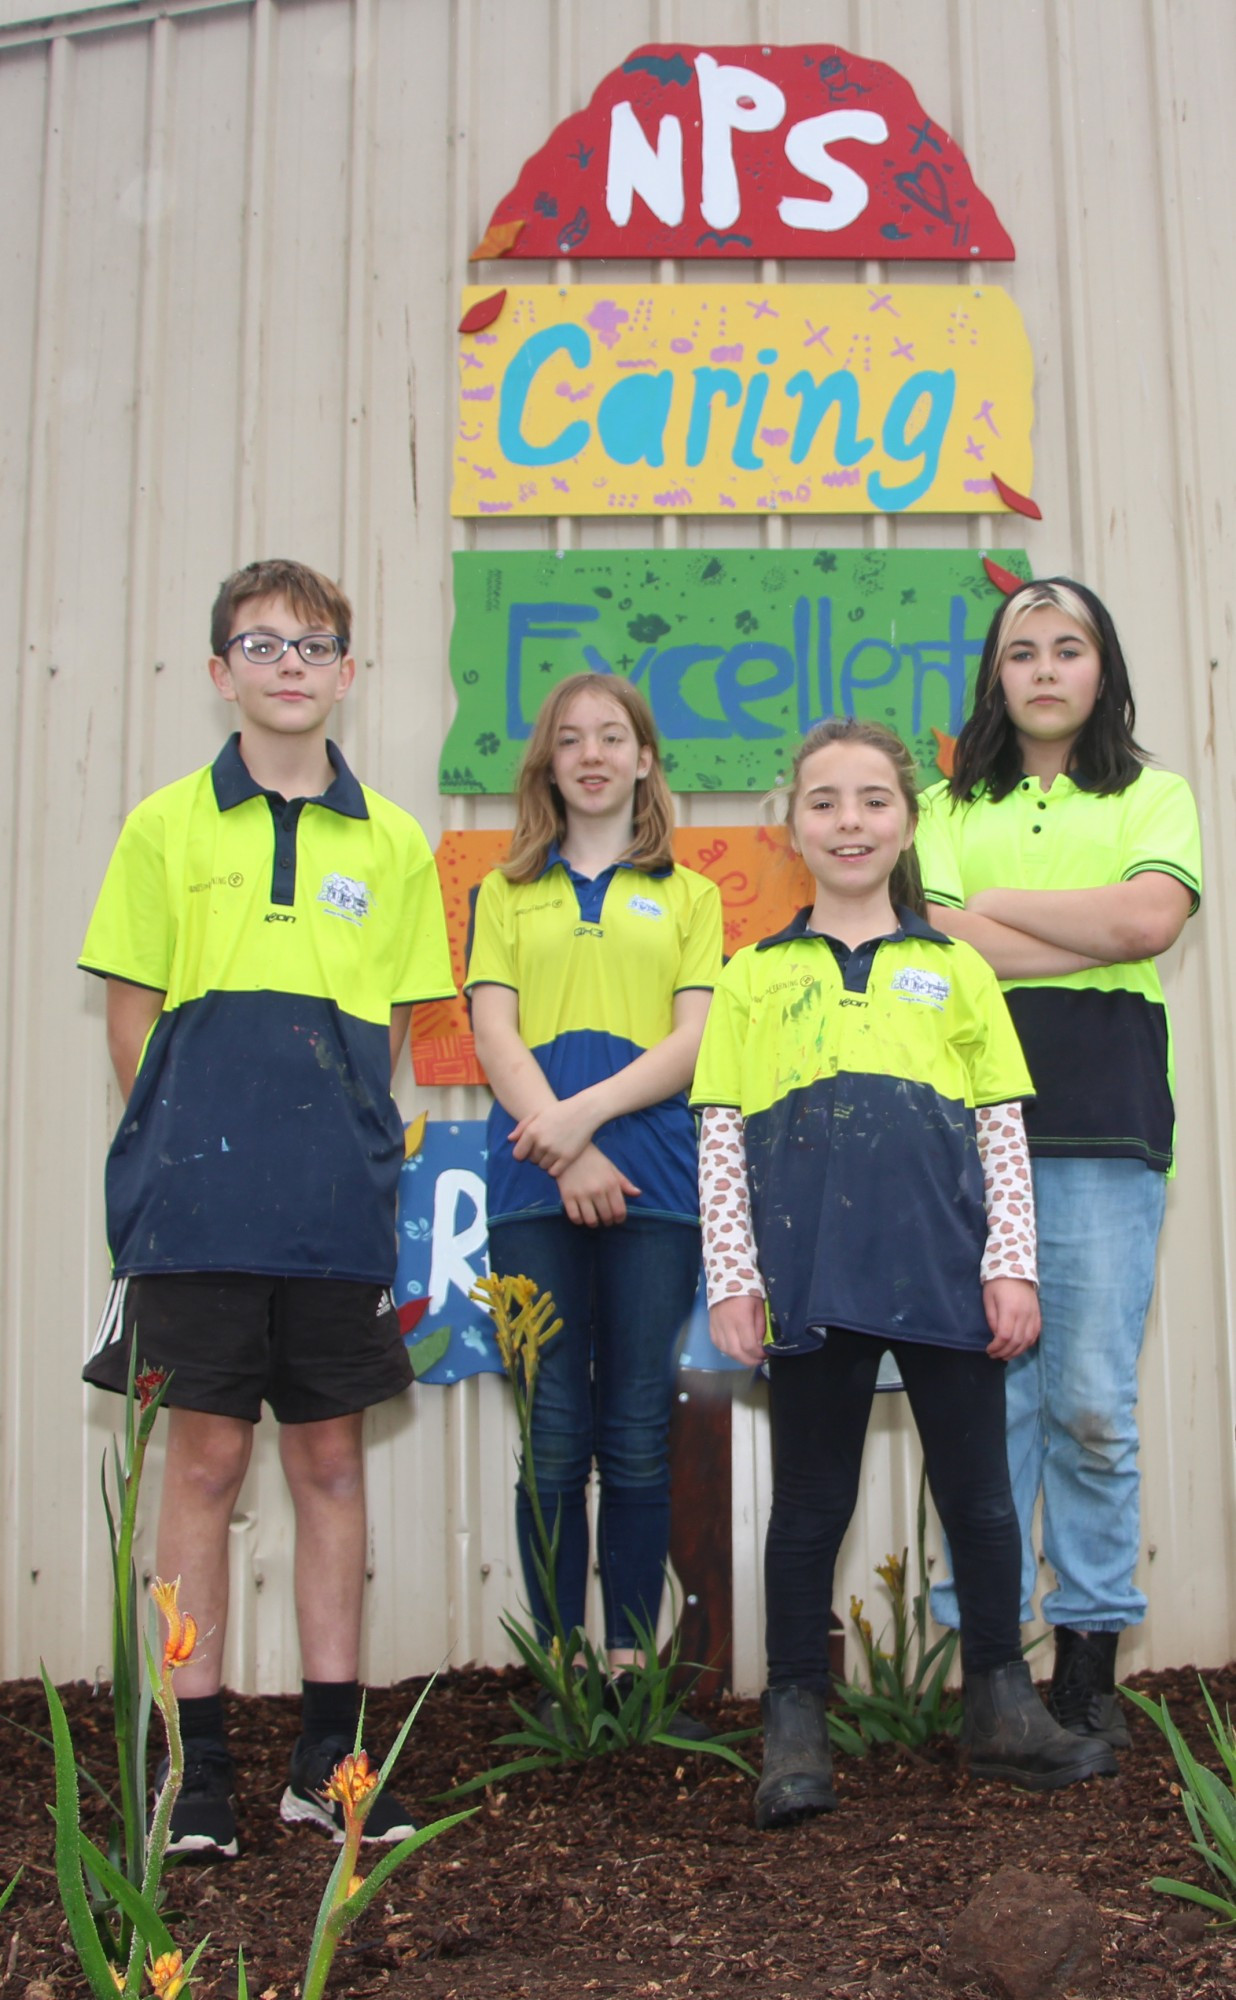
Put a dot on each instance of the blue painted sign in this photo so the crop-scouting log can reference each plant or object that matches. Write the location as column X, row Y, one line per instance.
column 442, row 1252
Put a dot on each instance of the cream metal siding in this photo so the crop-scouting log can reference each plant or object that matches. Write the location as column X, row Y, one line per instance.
column 234, row 239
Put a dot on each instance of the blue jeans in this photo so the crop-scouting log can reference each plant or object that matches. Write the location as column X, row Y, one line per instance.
column 1072, row 1400
column 604, row 1393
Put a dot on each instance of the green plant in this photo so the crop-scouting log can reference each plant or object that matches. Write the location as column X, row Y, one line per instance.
column 113, row 1901
column 347, row 1894
column 1209, row 1804
column 906, row 1700
column 113, row 1957
column 591, row 1715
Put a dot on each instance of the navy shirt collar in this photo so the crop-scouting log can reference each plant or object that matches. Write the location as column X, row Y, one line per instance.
column 555, row 856
column 909, row 926
column 234, row 783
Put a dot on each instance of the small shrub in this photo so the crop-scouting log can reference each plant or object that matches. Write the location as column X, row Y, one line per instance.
column 591, row 1713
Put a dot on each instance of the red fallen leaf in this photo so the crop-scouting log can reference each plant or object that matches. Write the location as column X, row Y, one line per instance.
column 1019, row 502
column 498, row 239
column 483, row 313
column 1002, row 578
column 412, row 1313
column 946, row 745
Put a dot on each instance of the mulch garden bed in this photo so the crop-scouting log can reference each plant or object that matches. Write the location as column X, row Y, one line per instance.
column 642, row 1875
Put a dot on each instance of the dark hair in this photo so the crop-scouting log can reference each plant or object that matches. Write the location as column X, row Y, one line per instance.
column 905, row 884
column 1105, row 756
column 539, row 816
column 311, row 596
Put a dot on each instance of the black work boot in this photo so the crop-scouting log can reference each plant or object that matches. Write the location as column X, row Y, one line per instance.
column 1083, row 1695
column 1010, row 1735
column 797, row 1779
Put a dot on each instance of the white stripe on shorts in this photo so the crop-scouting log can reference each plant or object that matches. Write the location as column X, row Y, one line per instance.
column 111, row 1325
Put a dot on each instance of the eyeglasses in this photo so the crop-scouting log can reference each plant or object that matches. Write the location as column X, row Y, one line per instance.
column 262, row 649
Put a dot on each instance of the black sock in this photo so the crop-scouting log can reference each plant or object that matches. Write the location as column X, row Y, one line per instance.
column 201, row 1718
column 329, row 1708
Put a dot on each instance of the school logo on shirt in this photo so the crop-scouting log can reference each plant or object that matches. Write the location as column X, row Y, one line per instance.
column 644, row 908
column 929, row 989
column 345, row 898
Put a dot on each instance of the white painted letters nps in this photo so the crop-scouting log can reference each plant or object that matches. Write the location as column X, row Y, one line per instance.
column 734, row 99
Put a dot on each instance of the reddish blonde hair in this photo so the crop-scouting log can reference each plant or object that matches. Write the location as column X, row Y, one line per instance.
column 539, row 817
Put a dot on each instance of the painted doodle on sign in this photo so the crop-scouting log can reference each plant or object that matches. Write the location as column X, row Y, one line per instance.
column 804, row 399
column 739, row 651
column 748, row 152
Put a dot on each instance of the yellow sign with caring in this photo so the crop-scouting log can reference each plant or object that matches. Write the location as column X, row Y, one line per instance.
column 707, row 399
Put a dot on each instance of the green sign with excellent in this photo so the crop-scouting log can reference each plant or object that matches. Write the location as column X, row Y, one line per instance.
column 739, row 651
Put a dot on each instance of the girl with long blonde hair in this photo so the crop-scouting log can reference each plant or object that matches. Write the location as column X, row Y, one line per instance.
column 591, row 968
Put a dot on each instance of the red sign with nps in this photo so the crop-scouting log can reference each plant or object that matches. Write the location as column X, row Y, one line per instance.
column 748, row 152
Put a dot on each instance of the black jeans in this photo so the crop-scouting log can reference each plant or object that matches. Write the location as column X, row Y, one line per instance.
column 820, row 1403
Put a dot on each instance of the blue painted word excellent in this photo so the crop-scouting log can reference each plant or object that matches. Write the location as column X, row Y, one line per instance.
column 632, row 416
column 807, row 670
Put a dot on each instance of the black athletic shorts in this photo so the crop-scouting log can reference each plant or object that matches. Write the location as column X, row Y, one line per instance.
column 310, row 1347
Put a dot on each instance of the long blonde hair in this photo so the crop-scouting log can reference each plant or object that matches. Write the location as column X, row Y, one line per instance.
column 539, row 816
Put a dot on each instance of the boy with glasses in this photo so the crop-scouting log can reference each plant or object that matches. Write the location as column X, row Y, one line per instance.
column 264, row 927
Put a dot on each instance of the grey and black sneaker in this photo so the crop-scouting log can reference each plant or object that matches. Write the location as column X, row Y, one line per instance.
column 304, row 1801
column 203, row 1818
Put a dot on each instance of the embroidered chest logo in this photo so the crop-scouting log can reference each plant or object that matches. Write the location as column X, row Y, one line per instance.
column 927, row 989
column 345, row 898
column 644, row 908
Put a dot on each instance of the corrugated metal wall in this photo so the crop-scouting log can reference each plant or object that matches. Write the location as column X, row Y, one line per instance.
column 234, row 237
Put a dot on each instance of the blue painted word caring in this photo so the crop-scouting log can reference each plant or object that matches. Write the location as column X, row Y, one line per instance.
column 753, row 672
column 632, row 416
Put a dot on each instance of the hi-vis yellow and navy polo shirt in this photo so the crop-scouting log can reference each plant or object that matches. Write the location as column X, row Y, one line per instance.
column 261, row 1134
column 857, row 1074
column 596, row 965
column 1098, row 1043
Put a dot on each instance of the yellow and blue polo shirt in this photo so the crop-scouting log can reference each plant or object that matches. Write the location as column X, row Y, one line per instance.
column 261, row 1134
column 596, row 964
column 857, row 1074
column 1098, row 1043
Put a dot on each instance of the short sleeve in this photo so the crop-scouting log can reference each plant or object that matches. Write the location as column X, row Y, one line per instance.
column 491, row 960
column 132, row 931
column 424, row 971
column 719, row 1066
column 1161, row 832
column 989, row 1044
column 937, row 854
column 701, row 953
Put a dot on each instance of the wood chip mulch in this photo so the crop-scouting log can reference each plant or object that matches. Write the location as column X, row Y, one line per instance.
column 642, row 1874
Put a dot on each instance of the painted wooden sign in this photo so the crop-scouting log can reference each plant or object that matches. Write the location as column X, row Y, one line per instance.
column 800, row 399
column 737, row 650
column 748, row 152
column 443, row 1251
column 761, row 882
